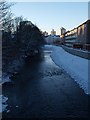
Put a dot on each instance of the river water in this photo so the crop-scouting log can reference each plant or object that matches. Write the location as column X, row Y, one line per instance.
column 43, row 90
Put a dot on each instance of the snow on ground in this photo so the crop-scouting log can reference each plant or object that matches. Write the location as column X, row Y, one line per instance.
column 4, row 79
column 3, row 103
column 76, row 66
column 48, row 47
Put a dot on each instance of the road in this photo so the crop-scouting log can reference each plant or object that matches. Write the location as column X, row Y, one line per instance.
column 43, row 90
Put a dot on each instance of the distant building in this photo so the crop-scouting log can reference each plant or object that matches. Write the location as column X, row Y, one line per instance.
column 53, row 32
column 62, row 31
column 52, row 39
column 45, row 33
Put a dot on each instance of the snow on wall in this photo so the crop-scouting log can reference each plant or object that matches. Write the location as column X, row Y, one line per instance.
column 76, row 66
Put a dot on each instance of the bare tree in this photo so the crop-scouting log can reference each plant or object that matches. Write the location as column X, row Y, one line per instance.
column 5, row 14
column 17, row 21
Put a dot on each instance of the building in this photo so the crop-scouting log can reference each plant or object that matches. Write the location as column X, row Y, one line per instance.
column 52, row 39
column 45, row 33
column 62, row 31
column 79, row 36
column 53, row 32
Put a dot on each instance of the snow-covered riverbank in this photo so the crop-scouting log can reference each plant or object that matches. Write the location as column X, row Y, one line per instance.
column 3, row 103
column 76, row 66
column 13, row 67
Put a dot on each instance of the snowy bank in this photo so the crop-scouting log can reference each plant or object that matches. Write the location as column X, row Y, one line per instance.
column 3, row 103
column 13, row 67
column 4, row 78
column 76, row 66
column 47, row 47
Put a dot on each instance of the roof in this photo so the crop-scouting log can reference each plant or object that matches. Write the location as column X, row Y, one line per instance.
column 88, row 21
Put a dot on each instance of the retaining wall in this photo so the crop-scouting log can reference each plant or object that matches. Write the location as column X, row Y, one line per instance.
column 77, row 52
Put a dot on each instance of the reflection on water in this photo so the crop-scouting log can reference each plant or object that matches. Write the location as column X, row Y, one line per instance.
column 28, row 81
column 47, row 58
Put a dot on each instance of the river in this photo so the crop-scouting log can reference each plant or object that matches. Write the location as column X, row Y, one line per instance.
column 43, row 90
